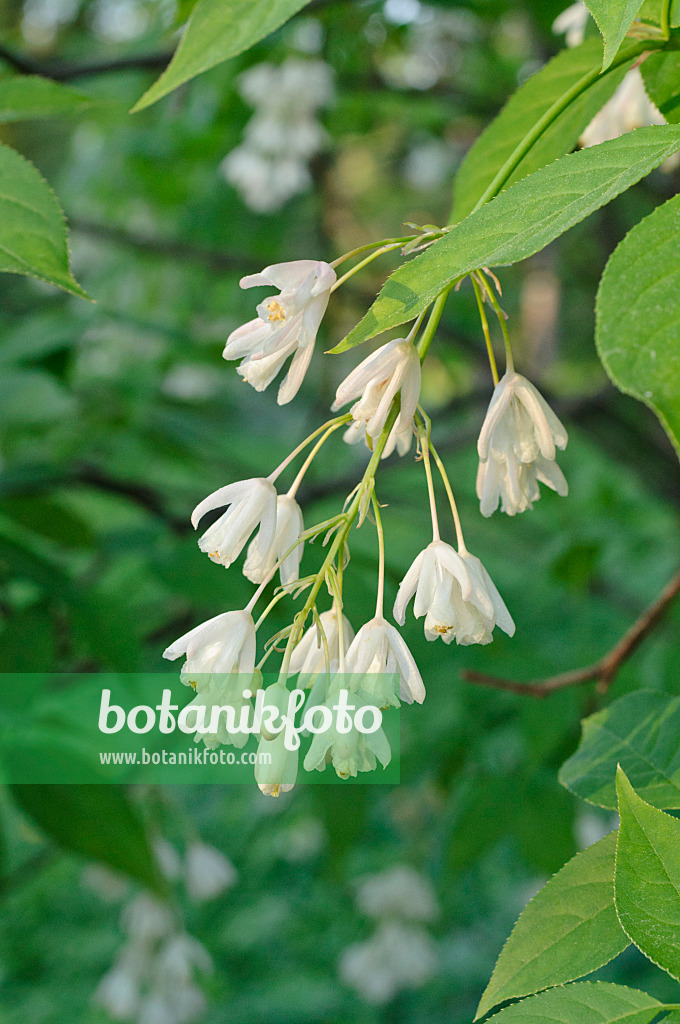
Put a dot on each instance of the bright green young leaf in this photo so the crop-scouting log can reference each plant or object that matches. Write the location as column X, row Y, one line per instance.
column 32, row 227
column 661, row 75
column 518, row 223
column 651, row 12
column 27, row 97
column 97, row 821
column 647, row 880
column 524, row 108
column 216, row 31
column 583, row 1003
column 614, row 18
column 638, row 315
column 569, row 929
column 640, row 732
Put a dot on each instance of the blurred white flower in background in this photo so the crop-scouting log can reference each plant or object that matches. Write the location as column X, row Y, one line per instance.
column 208, row 873
column 272, row 163
column 401, row 954
column 571, row 24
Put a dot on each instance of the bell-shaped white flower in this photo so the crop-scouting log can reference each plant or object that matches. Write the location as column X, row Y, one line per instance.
column 629, row 108
column 517, row 448
column 276, row 767
column 349, row 752
column 309, row 656
column 399, row 439
column 208, row 872
column 289, row 525
column 222, row 645
column 378, row 655
column 455, row 594
column 221, row 706
column 394, row 369
column 251, row 503
column 286, row 323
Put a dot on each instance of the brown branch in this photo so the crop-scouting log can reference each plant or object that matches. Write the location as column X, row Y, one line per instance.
column 604, row 671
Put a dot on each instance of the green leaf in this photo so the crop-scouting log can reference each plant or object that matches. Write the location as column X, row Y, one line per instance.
column 638, row 315
column 32, row 227
column 583, row 1003
column 661, row 75
column 640, row 732
column 216, row 31
column 97, row 821
column 28, row 97
column 525, row 107
column 614, row 18
column 647, row 880
column 518, row 223
column 569, row 929
column 28, row 397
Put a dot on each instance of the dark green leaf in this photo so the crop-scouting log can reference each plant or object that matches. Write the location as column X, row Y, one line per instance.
column 638, row 315
column 647, row 881
column 583, row 1003
column 28, row 97
column 569, row 929
column 640, row 732
column 517, row 223
column 216, row 31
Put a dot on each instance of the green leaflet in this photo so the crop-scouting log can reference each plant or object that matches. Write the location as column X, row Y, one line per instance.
column 216, row 31
column 583, row 1003
column 614, row 18
column 95, row 821
column 518, row 223
column 640, row 732
column 524, row 108
column 647, row 880
column 27, row 97
column 569, row 929
column 638, row 315
column 32, row 228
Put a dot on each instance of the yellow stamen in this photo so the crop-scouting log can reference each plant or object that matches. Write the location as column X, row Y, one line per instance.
column 276, row 311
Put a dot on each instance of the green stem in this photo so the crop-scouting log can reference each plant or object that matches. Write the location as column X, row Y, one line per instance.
column 557, row 108
column 509, row 361
column 369, row 246
column 432, row 324
column 363, row 263
column 666, row 18
column 462, row 550
column 379, row 601
column 485, row 328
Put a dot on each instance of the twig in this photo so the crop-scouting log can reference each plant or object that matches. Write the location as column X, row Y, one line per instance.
column 604, row 671
column 66, row 72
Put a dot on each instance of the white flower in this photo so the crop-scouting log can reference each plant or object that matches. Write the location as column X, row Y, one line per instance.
column 455, row 594
column 350, row 752
column 394, row 369
column 572, row 24
column 286, row 323
column 377, row 652
column 251, row 503
column 309, row 656
column 630, row 107
column 398, row 892
column 223, row 695
column 289, row 525
column 276, row 767
column 517, row 448
column 396, row 957
column 118, row 992
column 223, row 645
column 208, row 872
column 356, row 433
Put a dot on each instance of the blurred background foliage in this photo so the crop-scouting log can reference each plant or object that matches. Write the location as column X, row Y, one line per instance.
column 117, row 417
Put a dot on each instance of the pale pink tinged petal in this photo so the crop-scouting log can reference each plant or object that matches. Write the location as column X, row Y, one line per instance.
column 498, row 406
column 378, row 364
column 219, row 498
column 411, row 680
column 428, row 580
column 296, row 374
column 453, row 563
column 291, row 275
column 407, row 589
column 247, row 339
column 293, row 526
column 179, row 647
column 550, row 474
column 235, row 527
column 282, row 338
column 528, row 396
column 376, row 423
column 266, row 502
column 255, row 281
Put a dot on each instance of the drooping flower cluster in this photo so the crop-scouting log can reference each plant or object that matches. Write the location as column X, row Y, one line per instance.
column 272, row 163
column 451, row 590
